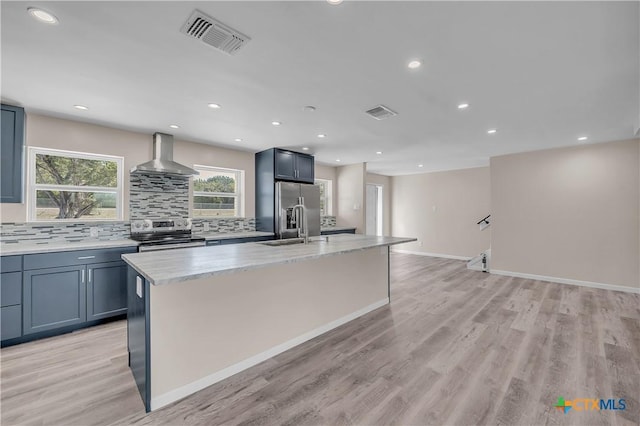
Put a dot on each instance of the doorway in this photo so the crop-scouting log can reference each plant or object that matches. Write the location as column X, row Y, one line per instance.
column 374, row 218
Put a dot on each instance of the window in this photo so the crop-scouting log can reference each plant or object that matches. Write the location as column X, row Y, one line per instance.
column 218, row 192
column 325, row 196
column 66, row 185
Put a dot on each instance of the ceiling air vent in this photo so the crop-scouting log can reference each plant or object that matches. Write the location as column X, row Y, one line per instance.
column 214, row 33
column 381, row 112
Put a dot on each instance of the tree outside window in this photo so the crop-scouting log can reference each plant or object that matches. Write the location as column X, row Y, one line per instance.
column 217, row 192
column 72, row 185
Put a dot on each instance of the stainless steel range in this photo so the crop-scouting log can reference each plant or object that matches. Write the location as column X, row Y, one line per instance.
column 164, row 234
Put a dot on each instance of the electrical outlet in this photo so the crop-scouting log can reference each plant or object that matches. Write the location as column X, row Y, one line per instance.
column 94, row 231
column 206, row 226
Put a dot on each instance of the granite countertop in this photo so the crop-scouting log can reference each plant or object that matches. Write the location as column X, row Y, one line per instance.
column 171, row 266
column 33, row 248
column 55, row 246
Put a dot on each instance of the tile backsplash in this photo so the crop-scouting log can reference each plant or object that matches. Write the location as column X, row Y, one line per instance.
column 327, row 221
column 43, row 233
column 234, row 224
column 158, row 196
column 53, row 232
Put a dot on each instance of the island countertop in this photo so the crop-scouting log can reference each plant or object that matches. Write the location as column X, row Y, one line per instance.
column 171, row 266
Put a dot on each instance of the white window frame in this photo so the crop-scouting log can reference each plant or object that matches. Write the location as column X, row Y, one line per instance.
column 238, row 194
column 328, row 195
column 33, row 187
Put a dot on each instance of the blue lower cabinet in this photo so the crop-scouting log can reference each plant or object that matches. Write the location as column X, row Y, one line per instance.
column 53, row 298
column 139, row 333
column 11, row 322
column 57, row 292
column 106, row 290
column 11, row 288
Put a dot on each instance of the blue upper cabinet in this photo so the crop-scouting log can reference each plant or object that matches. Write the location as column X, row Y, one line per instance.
column 11, row 154
column 274, row 165
column 293, row 166
column 285, row 164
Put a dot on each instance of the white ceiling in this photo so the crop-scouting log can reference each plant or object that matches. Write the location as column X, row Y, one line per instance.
column 542, row 73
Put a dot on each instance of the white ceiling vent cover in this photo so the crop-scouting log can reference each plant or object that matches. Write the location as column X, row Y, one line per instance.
column 381, row 112
column 214, row 33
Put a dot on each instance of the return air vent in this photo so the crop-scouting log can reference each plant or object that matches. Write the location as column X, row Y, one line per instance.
column 214, row 33
column 381, row 112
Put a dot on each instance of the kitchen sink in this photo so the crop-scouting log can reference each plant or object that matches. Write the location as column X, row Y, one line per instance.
column 287, row 242
column 292, row 241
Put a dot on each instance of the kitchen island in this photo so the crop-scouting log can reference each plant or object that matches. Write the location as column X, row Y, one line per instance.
column 199, row 315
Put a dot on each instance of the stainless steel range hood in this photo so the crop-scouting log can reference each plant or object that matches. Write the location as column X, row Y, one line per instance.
column 163, row 159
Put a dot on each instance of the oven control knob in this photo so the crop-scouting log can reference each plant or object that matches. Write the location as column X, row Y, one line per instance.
column 146, row 225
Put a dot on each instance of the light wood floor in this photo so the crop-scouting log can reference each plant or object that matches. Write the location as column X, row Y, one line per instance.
column 454, row 347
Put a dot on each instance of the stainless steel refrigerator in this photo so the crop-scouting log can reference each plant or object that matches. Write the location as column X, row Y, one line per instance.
column 288, row 194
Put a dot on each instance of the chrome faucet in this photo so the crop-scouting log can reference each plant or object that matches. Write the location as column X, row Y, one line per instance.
column 303, row 229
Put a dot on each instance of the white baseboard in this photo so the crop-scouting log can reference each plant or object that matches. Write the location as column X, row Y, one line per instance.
column 181, row 392
column 422, row 253
column 568, row 281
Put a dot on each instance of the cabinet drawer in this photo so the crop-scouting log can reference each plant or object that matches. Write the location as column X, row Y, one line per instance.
column 70, row 258
column 11, row 288
column 10, row 263
column 11, row 318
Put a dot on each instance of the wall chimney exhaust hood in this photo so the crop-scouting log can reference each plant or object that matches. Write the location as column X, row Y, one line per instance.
column 163, row 159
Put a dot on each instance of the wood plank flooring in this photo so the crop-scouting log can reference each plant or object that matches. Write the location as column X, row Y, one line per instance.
column 455, row 347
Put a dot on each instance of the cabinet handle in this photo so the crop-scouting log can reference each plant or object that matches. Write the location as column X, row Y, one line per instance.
column 86, row 257
column 89, row 281
column 83, row 276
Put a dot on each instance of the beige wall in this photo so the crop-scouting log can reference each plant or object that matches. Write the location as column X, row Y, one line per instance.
column 569, row 213
column 329, row 173
column 385, row 182
column 50, row 132
column 351, row 203
column 460, row 199
column 190, row 154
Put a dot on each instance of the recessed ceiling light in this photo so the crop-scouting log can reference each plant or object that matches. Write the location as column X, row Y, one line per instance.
column 414, row 64
column 379, row 152
column 420, row 165
column 492, row 131
column 322, row 135
column 276, row 123
column 582, row 138
column 81, row 107
column 305, row 148
column 42, row 15
column 463, row 106
column 238, row 140
column 214, row 106
column 174, row 126
column 334, row 2
column 337, row 160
